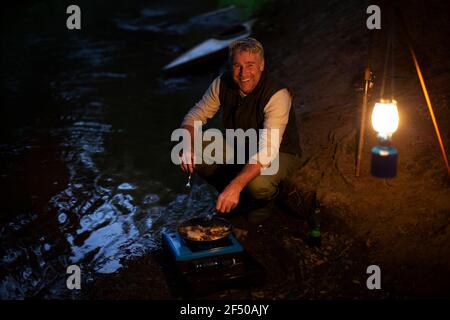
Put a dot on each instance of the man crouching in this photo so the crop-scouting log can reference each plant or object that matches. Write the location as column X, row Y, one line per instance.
column 249, row 99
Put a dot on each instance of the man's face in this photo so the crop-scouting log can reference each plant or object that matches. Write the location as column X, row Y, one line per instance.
column 247, row 70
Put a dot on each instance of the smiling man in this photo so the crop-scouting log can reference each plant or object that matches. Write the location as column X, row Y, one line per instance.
column 248, row 99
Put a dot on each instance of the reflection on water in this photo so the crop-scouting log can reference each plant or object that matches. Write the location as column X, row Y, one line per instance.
column 88, row 180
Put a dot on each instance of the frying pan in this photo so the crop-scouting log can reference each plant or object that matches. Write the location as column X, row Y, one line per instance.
column 205, row 223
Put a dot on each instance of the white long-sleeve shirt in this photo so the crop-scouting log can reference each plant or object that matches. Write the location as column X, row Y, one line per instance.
column 276, row 116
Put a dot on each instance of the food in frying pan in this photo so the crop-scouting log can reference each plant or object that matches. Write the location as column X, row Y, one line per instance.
column 202, row 233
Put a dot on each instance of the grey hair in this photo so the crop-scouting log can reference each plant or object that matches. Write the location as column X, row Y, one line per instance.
column 248, row 44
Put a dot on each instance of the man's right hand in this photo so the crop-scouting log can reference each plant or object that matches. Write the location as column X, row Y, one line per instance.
column 188, row 162
column 188, row 157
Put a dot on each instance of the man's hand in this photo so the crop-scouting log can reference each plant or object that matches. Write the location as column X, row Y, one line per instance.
column 188, row 157
column 229, row 198
column 188, row 162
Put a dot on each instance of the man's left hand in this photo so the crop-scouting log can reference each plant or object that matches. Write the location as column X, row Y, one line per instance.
column 229, row 198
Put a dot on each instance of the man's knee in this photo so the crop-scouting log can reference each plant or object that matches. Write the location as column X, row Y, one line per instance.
column 261, row 188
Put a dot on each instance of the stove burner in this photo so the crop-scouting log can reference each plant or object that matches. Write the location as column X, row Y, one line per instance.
column 184, row 251
column 207, row 267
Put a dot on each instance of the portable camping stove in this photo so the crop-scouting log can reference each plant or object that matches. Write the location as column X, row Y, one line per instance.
column 207, row 267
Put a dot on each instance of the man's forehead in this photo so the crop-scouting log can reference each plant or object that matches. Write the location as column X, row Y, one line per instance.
column 246, row 57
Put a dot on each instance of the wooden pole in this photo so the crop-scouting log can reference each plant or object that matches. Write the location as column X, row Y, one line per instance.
column 367, row 76
column 424, row 89
column 430, row 107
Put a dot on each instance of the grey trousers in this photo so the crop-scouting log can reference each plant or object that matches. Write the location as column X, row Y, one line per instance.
column 263, row 187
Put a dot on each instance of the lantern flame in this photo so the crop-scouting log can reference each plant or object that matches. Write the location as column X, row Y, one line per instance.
column 385, row 118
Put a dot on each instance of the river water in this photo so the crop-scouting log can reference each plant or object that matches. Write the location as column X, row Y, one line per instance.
column 86, row 176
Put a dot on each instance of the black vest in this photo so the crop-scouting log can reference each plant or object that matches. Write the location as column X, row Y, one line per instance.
column 248, row 112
